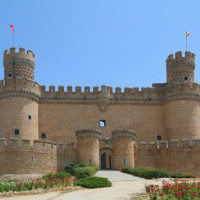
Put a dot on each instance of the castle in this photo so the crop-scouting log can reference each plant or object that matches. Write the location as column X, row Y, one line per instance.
column 43, row 130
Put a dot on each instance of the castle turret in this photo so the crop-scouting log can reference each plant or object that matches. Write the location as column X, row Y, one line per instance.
column 19, row 96
column 180, row 69
column 181, row 111
column 19, row 65
column 123, row 148
column 88, row 146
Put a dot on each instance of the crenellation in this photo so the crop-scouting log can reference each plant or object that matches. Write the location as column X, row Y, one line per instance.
column 21, row 50
column 163, row 144
column 87, row 89
column 51, row 88
column 78, row 89
column 60, row 89
column 95, row 89
column 69, row 89
column 118, row 90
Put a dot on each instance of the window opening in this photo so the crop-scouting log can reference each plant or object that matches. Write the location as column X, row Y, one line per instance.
column 102, row 123
column 16, row 131
column 44, row 135
column 9, row 75
column 159, row 137
column 29, row 117
column 186, row 78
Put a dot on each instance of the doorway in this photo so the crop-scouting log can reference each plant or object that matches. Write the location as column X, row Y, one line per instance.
column 105, row 161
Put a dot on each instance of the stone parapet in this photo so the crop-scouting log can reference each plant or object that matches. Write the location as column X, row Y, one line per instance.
column 84, row 133
column 123, row 133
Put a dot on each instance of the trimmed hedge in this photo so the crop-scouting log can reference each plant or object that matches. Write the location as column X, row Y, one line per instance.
column 82, row 172
column 93, row 182
column 180, row 175
column 147, row 173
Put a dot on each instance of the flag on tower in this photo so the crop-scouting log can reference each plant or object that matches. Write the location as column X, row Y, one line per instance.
column 187, row 33
column 12, row 27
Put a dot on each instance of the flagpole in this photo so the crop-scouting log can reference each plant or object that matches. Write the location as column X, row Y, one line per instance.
column 13, row 39
column 186, row 42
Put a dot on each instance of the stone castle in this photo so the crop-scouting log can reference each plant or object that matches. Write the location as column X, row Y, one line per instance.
column 43, row 130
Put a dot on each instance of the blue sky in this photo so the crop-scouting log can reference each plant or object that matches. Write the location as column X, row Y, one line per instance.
column 101, row 42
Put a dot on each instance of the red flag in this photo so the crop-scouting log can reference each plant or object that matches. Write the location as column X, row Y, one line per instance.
column 12, row 27
column 187, row 33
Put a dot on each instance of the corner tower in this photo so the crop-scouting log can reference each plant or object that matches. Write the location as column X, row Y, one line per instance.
column 180, row 69
column 19, row 96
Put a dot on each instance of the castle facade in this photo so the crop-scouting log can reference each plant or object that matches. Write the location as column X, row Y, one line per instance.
column 43, row 130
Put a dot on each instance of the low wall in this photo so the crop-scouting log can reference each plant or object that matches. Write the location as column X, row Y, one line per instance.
column 27, row 157
column 172, row 156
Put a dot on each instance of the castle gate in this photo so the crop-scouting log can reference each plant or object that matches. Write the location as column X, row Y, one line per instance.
column 106, row 160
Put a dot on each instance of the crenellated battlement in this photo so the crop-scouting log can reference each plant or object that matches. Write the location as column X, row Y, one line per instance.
column 189, row 57
column 25, row 144
column 88, row 133
column 171, row 144
column 11, row 53
column 123, row 133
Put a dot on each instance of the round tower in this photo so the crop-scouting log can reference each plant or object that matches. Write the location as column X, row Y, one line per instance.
column 19, row 65
column 123, row 148
column 181, row 111
column 88, row 146
column 19, row 96
column 180, row 69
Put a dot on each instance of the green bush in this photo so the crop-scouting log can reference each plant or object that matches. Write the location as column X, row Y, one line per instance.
column 180, row 175
column 82, row 172
column 71, row 168
column 58, row 175
column 147, row 173
column 93, row 182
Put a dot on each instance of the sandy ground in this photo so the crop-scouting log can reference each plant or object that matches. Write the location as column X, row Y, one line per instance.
column 122, row 190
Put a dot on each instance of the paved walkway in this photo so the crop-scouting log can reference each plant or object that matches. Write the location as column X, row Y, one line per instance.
column 114, row 176
column 124, row 186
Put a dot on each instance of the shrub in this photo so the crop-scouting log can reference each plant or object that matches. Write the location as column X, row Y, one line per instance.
column 82, row 172
column 180, row 175
column 71, row 168
column 58, row 175
column 93, row 182
column 147, row 173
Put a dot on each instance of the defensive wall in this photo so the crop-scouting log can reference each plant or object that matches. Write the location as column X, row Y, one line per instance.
column 27, row 157
column 173, row 156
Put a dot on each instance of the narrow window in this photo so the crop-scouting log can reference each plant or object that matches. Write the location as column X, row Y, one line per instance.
column 159, row 137
column 44, row 135
column 9, row 75
column 124, row 162
column 16, row 131
column 102, row 123
column 186, row 78
column 29, row 117
column 32, row 158
column 55, row 160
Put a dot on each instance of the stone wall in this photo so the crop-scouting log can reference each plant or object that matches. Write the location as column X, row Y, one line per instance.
column 66, row 155
column 174, row 156
column 22, row 157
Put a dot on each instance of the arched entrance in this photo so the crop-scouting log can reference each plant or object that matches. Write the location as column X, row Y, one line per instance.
column 106, row 158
